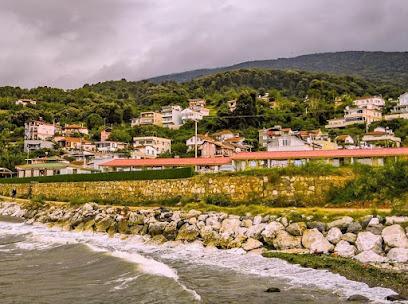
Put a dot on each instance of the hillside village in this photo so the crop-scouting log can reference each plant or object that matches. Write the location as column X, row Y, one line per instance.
column 70, row 150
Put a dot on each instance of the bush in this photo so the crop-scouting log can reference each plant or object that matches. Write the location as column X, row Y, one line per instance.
column 112, row 176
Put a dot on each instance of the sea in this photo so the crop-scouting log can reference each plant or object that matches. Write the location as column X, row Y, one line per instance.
column 41, row 265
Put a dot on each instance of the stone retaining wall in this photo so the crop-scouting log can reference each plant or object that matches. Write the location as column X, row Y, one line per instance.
column 290, row 190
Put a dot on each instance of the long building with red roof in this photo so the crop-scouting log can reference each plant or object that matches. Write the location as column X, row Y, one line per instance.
column 245, row 160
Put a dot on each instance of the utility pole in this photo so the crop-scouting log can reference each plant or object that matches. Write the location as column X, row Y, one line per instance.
column 195, row 138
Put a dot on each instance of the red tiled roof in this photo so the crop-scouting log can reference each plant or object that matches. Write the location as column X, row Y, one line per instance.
column 168, row 162
column 321, row 154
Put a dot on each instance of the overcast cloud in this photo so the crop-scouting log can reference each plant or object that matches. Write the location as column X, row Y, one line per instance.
column 67, row 43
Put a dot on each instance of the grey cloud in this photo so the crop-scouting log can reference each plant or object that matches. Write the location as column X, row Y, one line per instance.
column 71, row 42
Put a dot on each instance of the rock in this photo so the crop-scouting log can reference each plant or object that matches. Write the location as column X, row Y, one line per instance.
column 89, row 225
column 370, row 257
column 349, row 237
column 358, row 298
column 103, row 224
column 284, row 241
column 246, row 223
column 136, row 229
column 269, row 233
column 257, row 220
column 354, row 227
column 394, row 236
column 399, row 255
column 375, row 229
column 210, row 237
column 158, row 239
column 136, row 219
column 272, row 289
column 255, row 231
column 318, row 225
column 284, row 221
column 170, row 231
column 190, row 214
column 123, row 227
column 367, row 241
column 188, row 233
column 391, row 220
column 252, row 244
column 314, row 240
column 345, row 250
column 334, row 235
column 213, row 222
column 156, row 228
column 374, row 221
column 230, row 226
column 296, row 229
column 341, row 223
column 396, row 297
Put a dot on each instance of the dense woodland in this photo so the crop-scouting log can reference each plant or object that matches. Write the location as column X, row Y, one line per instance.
column 302, row 100
column 377, row 66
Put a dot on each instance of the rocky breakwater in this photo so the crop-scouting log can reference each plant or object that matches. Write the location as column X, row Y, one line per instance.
column 368, row 240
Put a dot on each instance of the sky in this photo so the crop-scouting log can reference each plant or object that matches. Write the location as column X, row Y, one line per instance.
column 67, row 43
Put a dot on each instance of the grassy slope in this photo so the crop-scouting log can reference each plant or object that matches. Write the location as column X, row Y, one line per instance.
column 352, row 270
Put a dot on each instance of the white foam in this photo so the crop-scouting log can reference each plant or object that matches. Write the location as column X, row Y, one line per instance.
column 134, row 250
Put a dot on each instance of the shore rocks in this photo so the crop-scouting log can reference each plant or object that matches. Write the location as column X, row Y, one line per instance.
column 367, row 241
column 358, row 298
column 345, row 250
column 344, row 237
column 314, row 240
column 394, row 236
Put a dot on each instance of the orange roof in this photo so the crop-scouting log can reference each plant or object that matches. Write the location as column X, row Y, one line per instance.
column 74, row 127
column 321, row 154
column 168, row 162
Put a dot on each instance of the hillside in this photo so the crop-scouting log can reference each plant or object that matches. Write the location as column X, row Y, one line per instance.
column 114, row 103
column 378, row 66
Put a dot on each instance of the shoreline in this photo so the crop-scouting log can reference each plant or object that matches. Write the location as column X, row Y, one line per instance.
column 362, row 247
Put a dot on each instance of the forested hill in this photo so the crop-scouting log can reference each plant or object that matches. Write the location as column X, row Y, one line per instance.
column 301, row 101
column 379, row 66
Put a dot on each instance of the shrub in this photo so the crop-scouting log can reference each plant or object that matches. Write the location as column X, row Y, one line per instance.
column 112, row 176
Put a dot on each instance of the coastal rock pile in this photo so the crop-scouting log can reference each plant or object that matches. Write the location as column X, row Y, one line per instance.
column 368, row 240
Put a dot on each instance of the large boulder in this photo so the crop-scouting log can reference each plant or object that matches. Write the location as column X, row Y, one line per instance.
column 252, row 244
column 156, row 228
column 210, row 237
column 341, row 223
column 296, row 229
column 255, row 231
column 367, row 241
column 314, row 240
column 136, row 219
column 213, row 222
column 334, row 235
column 318, row 225
column 188, row 233
column 345, row 250
column 230, row 226
column 103, row 224
column 399, row 255
column 269, row 233
column 391, row 220
column 370, row 257
column 354, row 227
column 284, row 241
column 170, row 231
column 394, row 236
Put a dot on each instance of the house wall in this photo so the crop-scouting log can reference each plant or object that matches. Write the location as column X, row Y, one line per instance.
column 270, row 190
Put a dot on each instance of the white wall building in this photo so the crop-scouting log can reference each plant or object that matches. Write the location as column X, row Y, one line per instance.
column 370, row 102
column 160, row 144
column 171, row 116
column 39, row 130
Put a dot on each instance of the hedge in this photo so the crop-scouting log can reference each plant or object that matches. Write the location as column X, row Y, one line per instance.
column 111, row 176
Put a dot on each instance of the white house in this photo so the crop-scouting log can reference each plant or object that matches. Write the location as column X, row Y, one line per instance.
column 171, row 117
column 25, row 102
column 160, row 144
column 374, row 102
column 403, row 99
column 37, row 144
column 190, row 115
column 109, row 146
column 39, row 130
column 140, row 152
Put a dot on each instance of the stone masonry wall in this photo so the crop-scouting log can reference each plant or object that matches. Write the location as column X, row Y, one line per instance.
column 309, row 190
